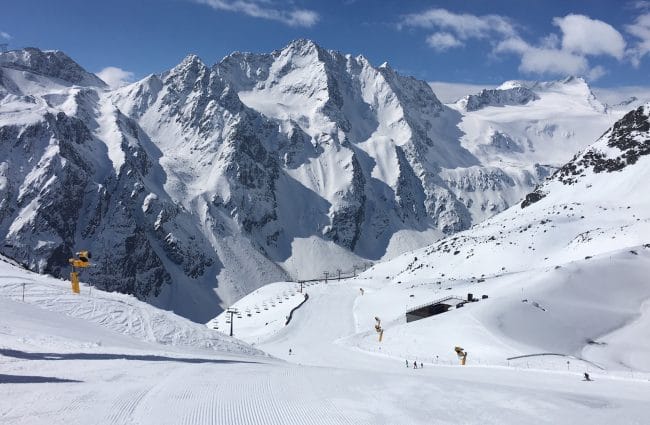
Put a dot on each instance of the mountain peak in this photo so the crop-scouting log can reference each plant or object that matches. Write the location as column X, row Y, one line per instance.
column 51, row 63
column 302, row 43
column 191, row 60
column 573, row 79
column 302, row 46
column 511, row 84
column 191, row 66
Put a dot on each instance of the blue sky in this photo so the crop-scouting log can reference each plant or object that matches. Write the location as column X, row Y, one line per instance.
column 471, row 41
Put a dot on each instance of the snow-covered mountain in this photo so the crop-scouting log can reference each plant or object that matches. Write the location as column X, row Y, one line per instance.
column 522, row 131
column 195, row 186
column 565, row 270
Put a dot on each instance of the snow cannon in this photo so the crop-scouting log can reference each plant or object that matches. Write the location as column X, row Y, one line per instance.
column 82, row 261
column 378, row 328
column 462, row 355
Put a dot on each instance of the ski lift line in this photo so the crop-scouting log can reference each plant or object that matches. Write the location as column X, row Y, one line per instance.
column 330, row 276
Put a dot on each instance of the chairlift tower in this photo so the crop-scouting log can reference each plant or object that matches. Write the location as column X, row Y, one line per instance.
column 232, row 312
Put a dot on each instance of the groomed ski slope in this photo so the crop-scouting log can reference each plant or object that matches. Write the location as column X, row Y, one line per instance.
column 59, row 365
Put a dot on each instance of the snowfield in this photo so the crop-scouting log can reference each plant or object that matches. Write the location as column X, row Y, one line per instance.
column 62, row 366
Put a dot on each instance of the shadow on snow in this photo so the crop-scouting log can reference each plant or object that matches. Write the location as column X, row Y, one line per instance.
column 23, row 355
column 25, row 379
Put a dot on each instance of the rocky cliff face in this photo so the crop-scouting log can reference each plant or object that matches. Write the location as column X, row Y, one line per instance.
column 498, row 97
column 197, row 185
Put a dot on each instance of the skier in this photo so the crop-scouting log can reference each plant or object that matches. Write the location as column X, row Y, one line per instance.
column 415, row 365
column 407, row 363
column 587, row 378
column 421, row 365
column 289, row 351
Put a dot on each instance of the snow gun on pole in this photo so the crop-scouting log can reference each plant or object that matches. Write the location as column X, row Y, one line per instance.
column 80, row 262
column 462, row 355
column 379, row 329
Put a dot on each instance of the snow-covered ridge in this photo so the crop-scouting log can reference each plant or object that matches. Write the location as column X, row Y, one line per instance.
column 498, row 97
column 54, row 64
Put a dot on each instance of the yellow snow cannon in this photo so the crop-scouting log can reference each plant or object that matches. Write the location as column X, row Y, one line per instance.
column 80, row 262
column 379, row 329
column 462, row 355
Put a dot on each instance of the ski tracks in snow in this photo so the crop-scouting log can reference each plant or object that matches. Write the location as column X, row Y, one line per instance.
column 201, row 394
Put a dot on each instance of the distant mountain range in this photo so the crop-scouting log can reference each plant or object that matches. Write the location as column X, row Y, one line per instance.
column 195, row 186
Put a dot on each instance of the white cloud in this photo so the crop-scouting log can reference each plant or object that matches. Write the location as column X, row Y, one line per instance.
column 550, row 61
column 464, row 26
column 580, row 39
column 596, row 72
column 442, row 41
column 544, row 60
column 5, row 35
column 264, row 9
column 640, row 4
column 551, row 41
column 115, row 77
column 586, row 36
column 641, row 30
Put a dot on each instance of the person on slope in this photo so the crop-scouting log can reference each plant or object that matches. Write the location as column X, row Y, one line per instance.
column 289, row 351
column 407, row 363
column 587, row 378
column 421, row 365
column 415, row 365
